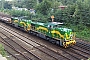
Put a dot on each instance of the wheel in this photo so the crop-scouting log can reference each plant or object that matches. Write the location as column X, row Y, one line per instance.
column 58, row 42
column 47, row 38
column 37, row 34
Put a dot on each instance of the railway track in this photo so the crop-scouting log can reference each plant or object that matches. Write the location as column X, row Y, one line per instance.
column 85, row 53
column 17, row 47
column 83, row 45
column 72, row 51
column 77, row 53
column 16, row 54
column 73, row 54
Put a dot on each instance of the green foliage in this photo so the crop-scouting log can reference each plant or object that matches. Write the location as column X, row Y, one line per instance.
column 66, row 2
column 29, row 4
column 55, row 4
column 82, row 13
column 4, row 4
column 89, row 59
column 7, row 5
column 40, row 18
column 77, row 13
column 59, row 16
column 19, row 13
column 82, row 31
column 0, row 5
column 84, row 34
column 2, row 51
column 43, row 7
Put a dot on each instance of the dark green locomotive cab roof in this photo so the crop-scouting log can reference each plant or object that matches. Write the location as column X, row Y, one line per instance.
column 25, row 20
column 38, row 23
column 53, row 24
column 14, row 18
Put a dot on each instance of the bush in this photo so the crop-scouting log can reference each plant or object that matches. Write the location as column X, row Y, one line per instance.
column 18, row 13
column 2, row 51
column 89, row 59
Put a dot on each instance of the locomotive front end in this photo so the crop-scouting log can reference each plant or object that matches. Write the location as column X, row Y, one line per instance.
column 69, row 39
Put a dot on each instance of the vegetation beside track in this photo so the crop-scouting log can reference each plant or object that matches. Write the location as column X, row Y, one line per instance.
column 89, row 59
column 82, row 32
column 2, row 51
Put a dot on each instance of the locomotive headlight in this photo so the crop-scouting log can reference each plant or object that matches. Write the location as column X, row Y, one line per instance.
column 71, row 36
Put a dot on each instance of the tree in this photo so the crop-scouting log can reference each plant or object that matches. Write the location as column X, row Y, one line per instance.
column 7, row 5
column 29, row 4
column 55, row 4
column 40, row 1
column 66, row 2
column 44, row 7
column 25, row 3
column 2, row 3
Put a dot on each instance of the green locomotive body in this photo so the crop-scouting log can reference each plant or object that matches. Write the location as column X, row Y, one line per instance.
column 52, row 31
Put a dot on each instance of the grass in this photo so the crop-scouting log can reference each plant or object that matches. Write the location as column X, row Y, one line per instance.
column 83, row 33
column 89, row 59
column 2, row 51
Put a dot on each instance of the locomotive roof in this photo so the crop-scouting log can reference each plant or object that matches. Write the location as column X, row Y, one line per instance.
column 14, row 17
column 39, row 23
column 54, row 23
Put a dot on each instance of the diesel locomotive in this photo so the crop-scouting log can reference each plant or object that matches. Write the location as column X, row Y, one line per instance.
column 52, row 31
